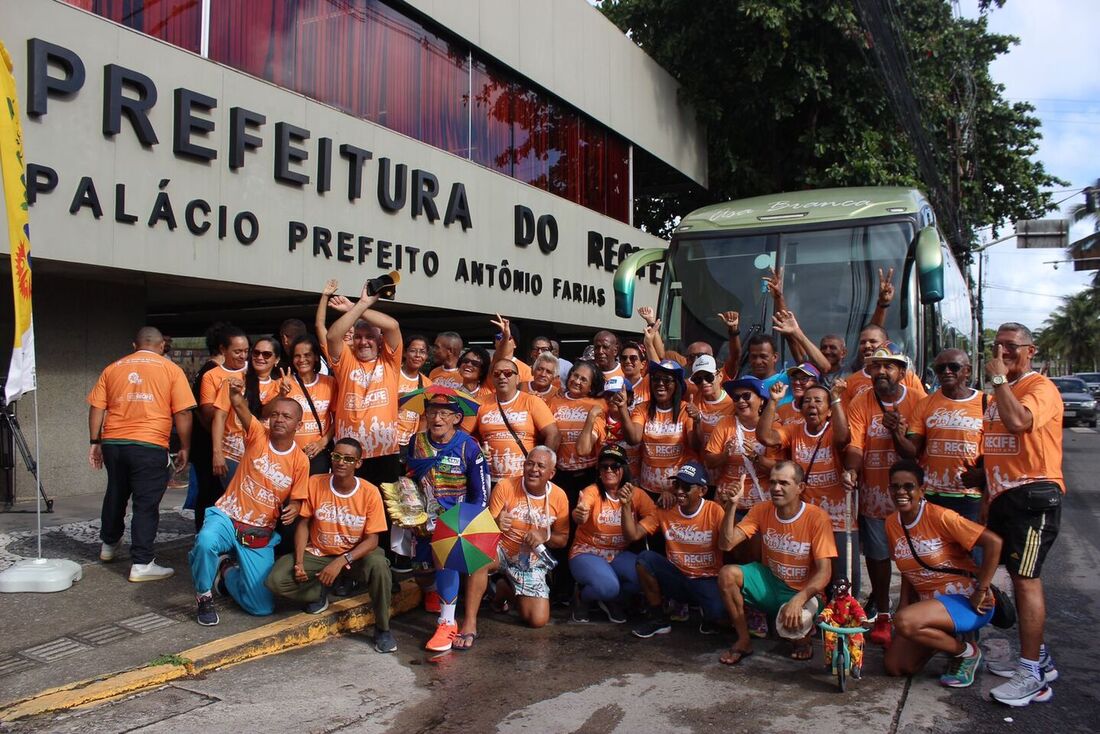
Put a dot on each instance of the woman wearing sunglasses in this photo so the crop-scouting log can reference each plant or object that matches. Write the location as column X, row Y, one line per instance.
column 259, row 389
column 605, row 571
column 473, row 370
column 710, row 404
column 314, row 392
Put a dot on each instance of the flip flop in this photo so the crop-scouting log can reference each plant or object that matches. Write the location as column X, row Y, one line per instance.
column 802, row 651
column 737, row 657
column 468, row 641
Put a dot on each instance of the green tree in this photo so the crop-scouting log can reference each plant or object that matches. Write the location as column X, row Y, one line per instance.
column 792, row 99
column 1072, row 333
column 1089, row 247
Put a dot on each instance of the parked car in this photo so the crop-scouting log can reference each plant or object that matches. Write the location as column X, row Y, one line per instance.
column 1092, row 379
column 1080, row 405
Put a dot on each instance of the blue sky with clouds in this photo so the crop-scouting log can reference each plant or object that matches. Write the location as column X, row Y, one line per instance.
column 1054, row 67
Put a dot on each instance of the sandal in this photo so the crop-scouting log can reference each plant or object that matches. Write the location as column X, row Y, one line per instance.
column 464, row 641
column 733, row 656
column 802, row 650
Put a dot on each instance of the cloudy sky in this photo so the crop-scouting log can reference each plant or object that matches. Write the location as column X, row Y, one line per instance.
column 1054, row 68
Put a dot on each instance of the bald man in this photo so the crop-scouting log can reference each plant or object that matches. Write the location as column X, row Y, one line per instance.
column 131, row 412
column 605, row 353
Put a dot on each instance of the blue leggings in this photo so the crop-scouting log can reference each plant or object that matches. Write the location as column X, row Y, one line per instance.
column 245, row 581
column 603, row 581
column 446, row 580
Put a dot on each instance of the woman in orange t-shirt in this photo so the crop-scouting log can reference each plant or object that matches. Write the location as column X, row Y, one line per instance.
column 605, row 571
column 412, row 360
column 664, row 429
column 259, row 389
column 473, row 370
column 580, row 415
column 316, row 431
column 632, row 358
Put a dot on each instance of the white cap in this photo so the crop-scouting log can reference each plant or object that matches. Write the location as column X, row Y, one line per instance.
column 705, row 363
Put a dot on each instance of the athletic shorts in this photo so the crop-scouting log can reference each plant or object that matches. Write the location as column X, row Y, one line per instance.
column 528, row 579
column 763, row 590
column 872, row 536
column 962, row 614
column 1027, row 519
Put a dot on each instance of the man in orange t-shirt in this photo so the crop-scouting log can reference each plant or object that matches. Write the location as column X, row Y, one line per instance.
column 342, row 517
column 533, row 515
column 131, row 412
column 445, row 352
column 528, row 416
column 795, row 566
column 268, row 486
column 1022, row 444
column 367, row 376
column 688, row 572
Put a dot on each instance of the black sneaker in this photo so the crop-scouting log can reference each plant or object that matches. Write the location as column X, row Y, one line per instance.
column 614, row 611
column 579, row 607
column 316, row 607
column 207, row 615
column 707, row 627
column 342, row 587
column 219, row 577
column 384, row 642
column 870, row 608
column 655, row 626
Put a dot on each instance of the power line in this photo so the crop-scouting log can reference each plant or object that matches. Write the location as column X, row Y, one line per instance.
column 1017, row 290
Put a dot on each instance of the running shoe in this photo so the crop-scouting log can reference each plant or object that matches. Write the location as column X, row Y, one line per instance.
column 614, row 611
column 960, row 671
column 108, row 551
column 579, row 608
column 443, row 637
column 1007, row 668
column 207, row 615
column 150, row 571
column 384, row 642
column 316, row 607
column 650, row 627
column 1021, row 689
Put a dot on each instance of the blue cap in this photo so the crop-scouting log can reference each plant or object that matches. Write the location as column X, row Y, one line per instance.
column 752, row 383
column 692, row 472
column 670, row 366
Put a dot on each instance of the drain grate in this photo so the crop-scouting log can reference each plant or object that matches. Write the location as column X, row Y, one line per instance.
column 55, row 650
column 14, row 664
column 147, row 622
column 104, row 635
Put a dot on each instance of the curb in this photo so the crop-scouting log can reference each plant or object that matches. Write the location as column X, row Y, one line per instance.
column 349, row 615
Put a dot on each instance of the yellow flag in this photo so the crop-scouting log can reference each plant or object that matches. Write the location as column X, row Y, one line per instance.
column 21, row 377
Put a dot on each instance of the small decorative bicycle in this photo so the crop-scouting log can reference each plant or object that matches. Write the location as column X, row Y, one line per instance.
column 842, row 659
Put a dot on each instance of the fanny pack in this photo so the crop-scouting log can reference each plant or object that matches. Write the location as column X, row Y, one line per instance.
column 1037, row 496
column 252, row 536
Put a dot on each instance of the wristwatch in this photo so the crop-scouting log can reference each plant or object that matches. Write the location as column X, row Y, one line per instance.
column 347, row 560
column 997, row 380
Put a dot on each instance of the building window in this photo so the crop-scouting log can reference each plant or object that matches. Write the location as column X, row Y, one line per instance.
column 371, row 61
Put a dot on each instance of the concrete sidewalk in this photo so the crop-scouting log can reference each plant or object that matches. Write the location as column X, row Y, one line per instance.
column 104, row 624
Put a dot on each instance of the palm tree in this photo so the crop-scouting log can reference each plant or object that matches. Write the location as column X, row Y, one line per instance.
column 1089, row 247
column 1072, row 333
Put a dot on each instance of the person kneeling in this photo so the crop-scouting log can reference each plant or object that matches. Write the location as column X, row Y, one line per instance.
column 797, row 552
column 689, row 573
column 533, row 515
column 342, row 517
column 241, row 524
column 943, row 593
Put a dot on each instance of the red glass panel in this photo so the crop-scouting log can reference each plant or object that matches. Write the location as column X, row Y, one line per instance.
column 565, row 154
column 491, row 121
column 178, row 22
column 593, row 157
column 618, row 178
column 531, row 138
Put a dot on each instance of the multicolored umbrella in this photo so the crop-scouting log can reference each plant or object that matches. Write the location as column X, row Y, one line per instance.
column 465, row 538
column 416, row 400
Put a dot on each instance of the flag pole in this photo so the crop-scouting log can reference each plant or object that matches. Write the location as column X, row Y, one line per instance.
column 37, row 479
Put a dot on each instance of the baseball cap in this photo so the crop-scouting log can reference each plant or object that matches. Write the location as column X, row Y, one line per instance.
column 805, row 368
column 670, row 366
column 753, row 383
column 889, row 352
column 704, row 363
column 692, row 472
column 614, row 384
column 614, row 452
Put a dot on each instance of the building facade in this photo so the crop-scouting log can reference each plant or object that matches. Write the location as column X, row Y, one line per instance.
column 200, row 160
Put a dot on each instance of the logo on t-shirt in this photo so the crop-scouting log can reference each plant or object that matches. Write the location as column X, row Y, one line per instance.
column 272, row 472
column 134, row 378
column 957, row 419
column 684, row 533
column 785, row 543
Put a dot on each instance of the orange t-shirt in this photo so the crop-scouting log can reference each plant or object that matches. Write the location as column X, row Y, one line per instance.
column 943, row 538
column 602, row 533
column 550, row 393
column 616, row 371
column 265, row 480
column 664, row 446
column 823, row 486
column 446, row 377
column 1011, row 459
column 214, row 391
column 711, row 413
column 322, row 390
column 482, row 396
column 746, row 445
column 570, row 414
column 341, row 521
column 212, row 381
column 877, row 445
column 141, row 392
column 790, row 547
column 233, row 438
column 367, row 408
column 408, row 421
column 691, row 541
column 786, row 414
column 528, row 415
column 952, row 431
column 548, row 511
column 860, row 382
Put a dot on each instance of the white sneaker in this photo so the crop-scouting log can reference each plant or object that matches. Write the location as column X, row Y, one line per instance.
column 1022, row 689
column 1007, row 668
column 107, row 552
column 149, row 572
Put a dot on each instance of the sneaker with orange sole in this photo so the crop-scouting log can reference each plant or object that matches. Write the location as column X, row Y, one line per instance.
column 433, row 602
column 443, row 638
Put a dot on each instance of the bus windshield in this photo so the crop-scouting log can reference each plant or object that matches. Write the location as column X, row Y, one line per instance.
column 830, row 281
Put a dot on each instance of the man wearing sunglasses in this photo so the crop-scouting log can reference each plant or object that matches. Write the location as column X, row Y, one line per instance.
column 946, row 434
column 709, row 404
column 342, row 516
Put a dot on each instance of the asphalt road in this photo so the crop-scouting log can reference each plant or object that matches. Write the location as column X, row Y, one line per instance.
column 598, row 678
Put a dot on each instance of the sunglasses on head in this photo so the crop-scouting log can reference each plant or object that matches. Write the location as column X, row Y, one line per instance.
column 948, row 366
column 262, row 353
column 338, row 458
column 700, row 377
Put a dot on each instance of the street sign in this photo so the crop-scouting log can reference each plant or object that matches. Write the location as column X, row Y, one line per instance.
column 1042, row 233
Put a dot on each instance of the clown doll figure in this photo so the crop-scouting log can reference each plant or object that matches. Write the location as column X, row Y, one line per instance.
column 843, row 610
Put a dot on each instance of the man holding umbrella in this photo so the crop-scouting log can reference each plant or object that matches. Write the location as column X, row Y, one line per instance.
column 449, row 463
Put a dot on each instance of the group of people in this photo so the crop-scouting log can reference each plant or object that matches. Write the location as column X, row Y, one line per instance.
column 636, row 480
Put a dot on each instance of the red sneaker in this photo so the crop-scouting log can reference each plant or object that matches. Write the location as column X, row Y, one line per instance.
column 882, row 633
column 433, row 602
column 443, row 637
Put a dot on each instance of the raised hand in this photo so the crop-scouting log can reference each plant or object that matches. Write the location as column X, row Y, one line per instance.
column 885, row 287
column 626, row 494
column 693, row 411
column 504, row 325
column 731, row 319
column 654, row 328
column 996, row 365
column 838, row 388
column 343, row 304
column 648, row 315
column 785, row 323
column 774, row 281
column 236, row 387
column 330, row 287
column 666, row 500
column 364, row 294
column 778, row 390
column 286, row 381
column 581, row 513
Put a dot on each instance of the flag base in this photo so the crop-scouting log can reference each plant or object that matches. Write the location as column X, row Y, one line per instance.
column 40, row 575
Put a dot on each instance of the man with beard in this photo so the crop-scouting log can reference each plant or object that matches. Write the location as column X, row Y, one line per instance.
column 879, row 421
column 872, row 338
